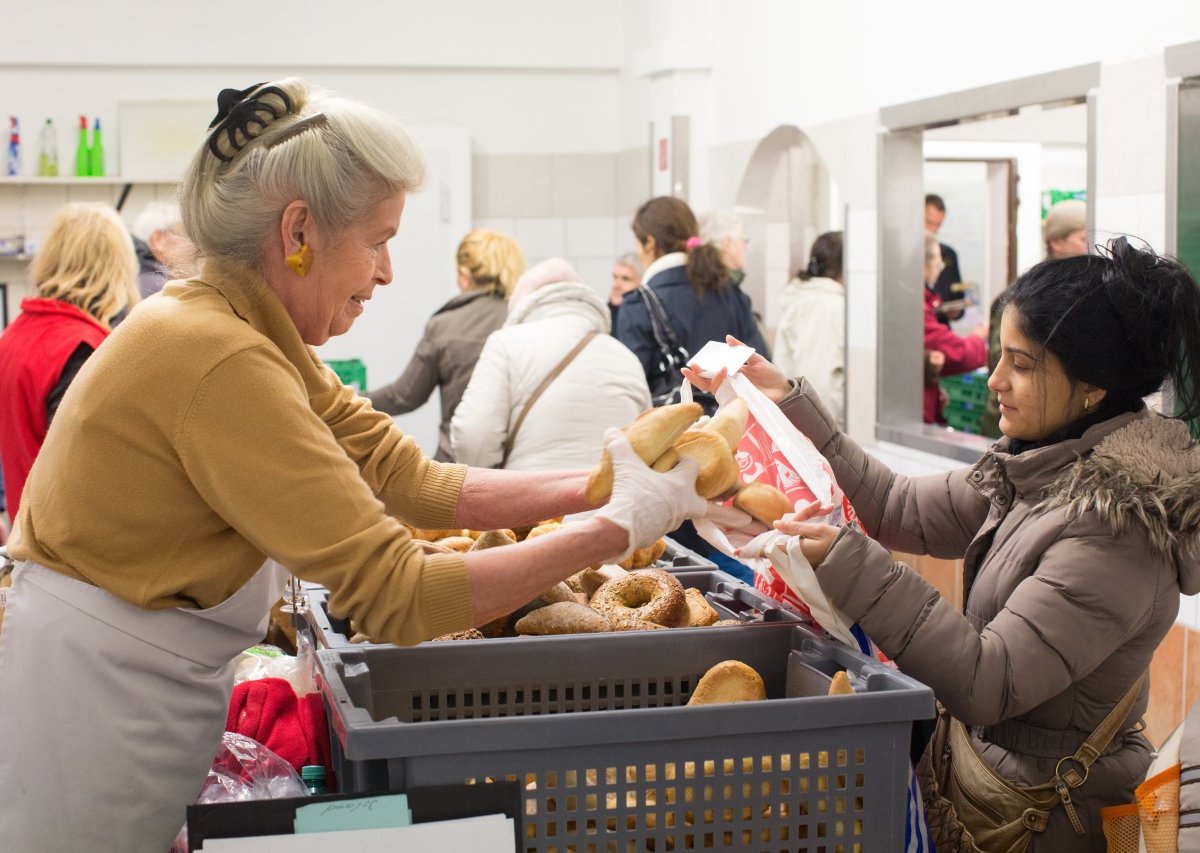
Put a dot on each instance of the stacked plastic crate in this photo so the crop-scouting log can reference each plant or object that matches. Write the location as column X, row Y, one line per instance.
column 967, row 393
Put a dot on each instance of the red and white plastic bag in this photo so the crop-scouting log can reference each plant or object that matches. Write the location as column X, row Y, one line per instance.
column 773, row 451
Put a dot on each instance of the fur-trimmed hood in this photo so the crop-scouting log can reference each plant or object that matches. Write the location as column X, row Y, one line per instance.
column 1145, row 475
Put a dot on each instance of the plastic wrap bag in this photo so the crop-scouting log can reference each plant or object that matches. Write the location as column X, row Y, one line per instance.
column 266, row 661
column 244, row 769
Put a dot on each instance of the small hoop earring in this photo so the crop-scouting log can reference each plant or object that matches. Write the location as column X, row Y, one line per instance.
column 300, row 260
column 1087, row 403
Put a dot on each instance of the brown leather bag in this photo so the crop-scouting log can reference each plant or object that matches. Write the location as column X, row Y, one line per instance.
column 970, row 808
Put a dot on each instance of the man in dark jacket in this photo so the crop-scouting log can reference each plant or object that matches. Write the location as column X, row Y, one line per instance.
column 948, row 284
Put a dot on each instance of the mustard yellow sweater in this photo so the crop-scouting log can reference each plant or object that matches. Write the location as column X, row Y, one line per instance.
column 204, row 436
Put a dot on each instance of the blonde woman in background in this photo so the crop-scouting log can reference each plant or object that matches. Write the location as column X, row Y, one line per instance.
column 489, row 264
column 85, row 275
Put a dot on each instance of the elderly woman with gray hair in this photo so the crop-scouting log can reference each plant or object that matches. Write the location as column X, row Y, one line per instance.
column 206, row 436
column 550, row 382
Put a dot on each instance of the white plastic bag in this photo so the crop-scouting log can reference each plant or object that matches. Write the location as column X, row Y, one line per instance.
column 774, row 451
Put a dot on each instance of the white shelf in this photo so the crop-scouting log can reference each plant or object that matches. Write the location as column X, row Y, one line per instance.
column 107, row 180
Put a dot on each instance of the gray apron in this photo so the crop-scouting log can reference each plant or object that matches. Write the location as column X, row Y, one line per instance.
column 110, row 715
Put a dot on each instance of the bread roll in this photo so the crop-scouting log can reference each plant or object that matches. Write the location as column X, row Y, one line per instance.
column 461, row 544
column 730, row 422
column 718, row 467
column 565, row 617
column 840, row 685
column 763, row 501
column 492, row 539
column 729, row 681
column 469, row 634
column 432, row 535
column 559, row 592
column 651, row 434
column 645, row 557
column 700, row 612
column 590, row 580
column 542, row 529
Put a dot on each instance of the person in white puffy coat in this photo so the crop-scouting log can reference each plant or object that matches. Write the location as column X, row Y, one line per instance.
column 550, row 312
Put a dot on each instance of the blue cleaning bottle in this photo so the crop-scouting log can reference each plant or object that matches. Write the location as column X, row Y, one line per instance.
column 13, row 167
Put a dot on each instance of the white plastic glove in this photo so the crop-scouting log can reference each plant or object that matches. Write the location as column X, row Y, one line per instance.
column 644, row 502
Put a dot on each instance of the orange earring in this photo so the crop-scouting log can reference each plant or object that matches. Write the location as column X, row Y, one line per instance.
column 300, row 260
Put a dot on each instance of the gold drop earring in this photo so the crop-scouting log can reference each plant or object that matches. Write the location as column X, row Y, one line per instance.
column 300, row 260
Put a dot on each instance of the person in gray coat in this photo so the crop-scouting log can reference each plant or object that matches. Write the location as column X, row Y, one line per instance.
column 489, row 264
column 1078, row 530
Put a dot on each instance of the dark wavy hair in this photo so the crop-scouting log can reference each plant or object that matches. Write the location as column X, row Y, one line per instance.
column 1125, row 320
column 671, row 222
column 825, row 258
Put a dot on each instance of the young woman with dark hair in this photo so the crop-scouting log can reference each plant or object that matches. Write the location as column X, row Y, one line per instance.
column 692, row 283
column 1078, row 532
column 811, row 340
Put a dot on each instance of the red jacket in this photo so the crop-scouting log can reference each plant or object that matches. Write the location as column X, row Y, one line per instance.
column 963, row 353
column 33, row 351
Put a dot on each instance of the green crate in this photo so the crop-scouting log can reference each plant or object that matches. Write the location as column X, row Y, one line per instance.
column 352, row 372
column 966, row 388
column 962, row 421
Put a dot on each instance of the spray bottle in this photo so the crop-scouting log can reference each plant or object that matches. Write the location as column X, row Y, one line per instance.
column 96, row 152
column 13, row 163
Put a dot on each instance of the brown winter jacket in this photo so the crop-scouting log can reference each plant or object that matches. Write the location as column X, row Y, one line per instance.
column 1074, row 558
column 445, row 359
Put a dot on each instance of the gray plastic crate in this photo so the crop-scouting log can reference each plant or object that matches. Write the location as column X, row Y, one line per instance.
column 608, row 757
column 677, row 556
column 731, row 598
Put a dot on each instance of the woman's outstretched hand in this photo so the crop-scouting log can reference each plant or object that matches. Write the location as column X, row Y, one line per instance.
column 815, row 538
column 763, row 374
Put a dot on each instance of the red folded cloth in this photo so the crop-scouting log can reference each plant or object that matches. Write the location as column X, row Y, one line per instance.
column 268, row 710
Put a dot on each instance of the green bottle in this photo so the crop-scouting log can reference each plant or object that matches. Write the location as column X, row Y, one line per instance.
column 82, row 160
column 96, row 153
column 314, row 778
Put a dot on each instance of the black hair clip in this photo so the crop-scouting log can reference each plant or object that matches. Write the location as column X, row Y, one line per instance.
column 237, row 111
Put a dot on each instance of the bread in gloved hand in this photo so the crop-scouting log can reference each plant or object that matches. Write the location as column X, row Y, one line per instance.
column 763, row 501
column 650, row 434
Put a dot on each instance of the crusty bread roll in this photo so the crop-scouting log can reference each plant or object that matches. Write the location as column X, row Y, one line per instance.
column 590, row 580
column 565, row 617
column 469, row 634
column 700, row 612
column 718, row 467
column 645, row 557
column 498, row 627
column 431, row 547
column 730, row 422
column 559, row 592
column 651, row 433
column 492, row 539
column 729, row 681
column 632, row 623
column 461, row 544
column 432, row 535
column 542, row 529
column 840, row 685
column 478, row 534
column 763, row 501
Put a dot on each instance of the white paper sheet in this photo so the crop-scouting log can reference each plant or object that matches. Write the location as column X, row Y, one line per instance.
column 486, row 834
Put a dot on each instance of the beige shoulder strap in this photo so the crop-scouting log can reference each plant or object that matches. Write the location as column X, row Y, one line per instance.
column 533, row 398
